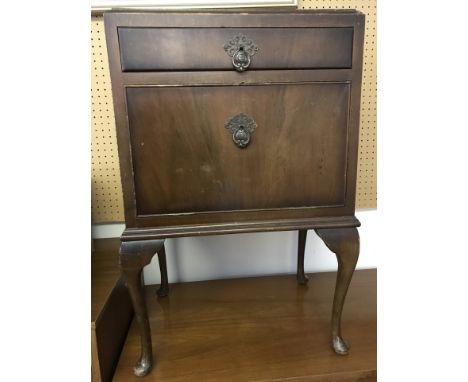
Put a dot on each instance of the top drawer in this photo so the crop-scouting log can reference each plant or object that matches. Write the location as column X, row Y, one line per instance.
column 179, row 49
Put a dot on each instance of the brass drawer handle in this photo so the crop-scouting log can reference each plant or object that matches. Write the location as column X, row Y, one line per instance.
column 241, row 126
column 241, row 49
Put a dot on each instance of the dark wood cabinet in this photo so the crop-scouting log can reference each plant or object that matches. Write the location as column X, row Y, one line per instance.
column 236, row 122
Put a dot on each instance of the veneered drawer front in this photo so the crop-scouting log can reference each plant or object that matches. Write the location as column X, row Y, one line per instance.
column 179, row 49
column 185, row 160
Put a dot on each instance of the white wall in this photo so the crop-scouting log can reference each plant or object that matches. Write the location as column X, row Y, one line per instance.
column 250, row 254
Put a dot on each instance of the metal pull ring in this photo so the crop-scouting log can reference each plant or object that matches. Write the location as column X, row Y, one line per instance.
column 241, row 126
column 241, row 49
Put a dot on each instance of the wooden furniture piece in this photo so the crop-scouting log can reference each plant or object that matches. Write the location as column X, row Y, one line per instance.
column 111, row 310
column 232, row 122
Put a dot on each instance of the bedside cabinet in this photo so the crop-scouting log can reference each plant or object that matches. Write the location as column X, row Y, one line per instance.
column 231, row 122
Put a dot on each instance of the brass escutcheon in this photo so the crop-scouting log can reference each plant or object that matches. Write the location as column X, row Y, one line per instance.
column 241, row 126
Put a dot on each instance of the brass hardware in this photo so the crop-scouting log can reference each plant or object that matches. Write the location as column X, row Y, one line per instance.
column 241, row 126
column 241, row 49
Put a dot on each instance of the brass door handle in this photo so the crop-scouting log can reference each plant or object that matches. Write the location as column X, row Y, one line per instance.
column 241, row 49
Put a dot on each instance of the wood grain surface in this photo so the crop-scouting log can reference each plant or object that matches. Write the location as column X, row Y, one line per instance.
column 185, row 160
column 202, row 49
column 105, row 273
column 257, row 329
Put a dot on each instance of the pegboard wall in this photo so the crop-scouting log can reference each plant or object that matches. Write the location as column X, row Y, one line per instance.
column 106, row 199
column 106, row 189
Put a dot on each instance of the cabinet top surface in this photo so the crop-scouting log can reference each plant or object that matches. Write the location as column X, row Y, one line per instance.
column 224, row 18
column 239, row 11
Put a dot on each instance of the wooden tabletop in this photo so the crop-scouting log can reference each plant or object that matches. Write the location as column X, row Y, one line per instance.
column 257, row 329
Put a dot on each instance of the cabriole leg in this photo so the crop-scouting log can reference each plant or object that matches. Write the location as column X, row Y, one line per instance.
column 164, row 287
column 133, row 257
column 301, row 276
column 344, row 242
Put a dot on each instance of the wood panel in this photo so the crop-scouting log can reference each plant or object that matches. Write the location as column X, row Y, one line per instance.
column 257, row 329
column 185, row 160
column 111, row 309
column 146, row 49
column 105, row 273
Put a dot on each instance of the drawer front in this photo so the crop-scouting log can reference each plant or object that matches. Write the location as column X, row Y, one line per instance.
column 186, row 160
column 187, row 49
